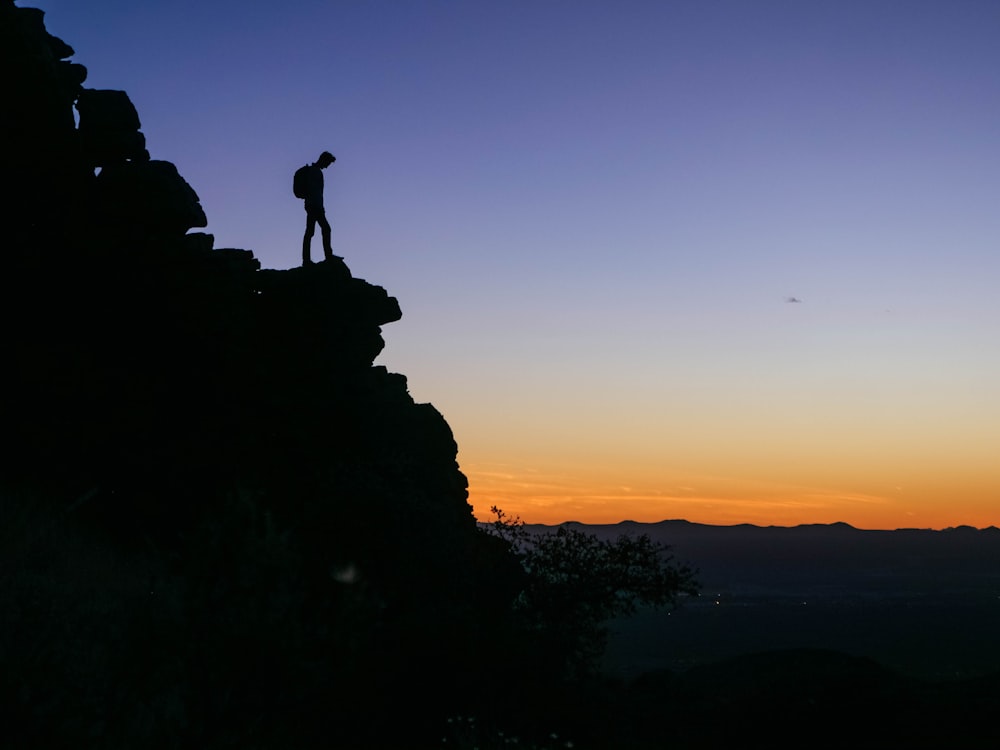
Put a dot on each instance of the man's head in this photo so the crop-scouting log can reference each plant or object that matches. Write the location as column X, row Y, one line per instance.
column 325, row 160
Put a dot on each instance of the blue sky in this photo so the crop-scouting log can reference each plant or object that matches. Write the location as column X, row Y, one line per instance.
column 593, row 215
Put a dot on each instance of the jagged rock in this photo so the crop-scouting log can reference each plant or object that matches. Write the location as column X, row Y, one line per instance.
column 199, row 242
column 329, row 289
column 71, row 75
column 109, row 128
column 107, row 109
column 148, row 198
column 38, row 141
column 35, row 20
column 39, row 86
column 29, row 28
column 323, row 313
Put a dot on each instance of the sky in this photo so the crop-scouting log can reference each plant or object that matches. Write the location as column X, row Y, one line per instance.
column 720, row 260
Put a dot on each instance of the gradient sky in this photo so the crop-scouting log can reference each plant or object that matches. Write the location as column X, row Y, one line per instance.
column 594, row 215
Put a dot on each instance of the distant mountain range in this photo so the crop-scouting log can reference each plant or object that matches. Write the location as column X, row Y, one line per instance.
column 828, row 559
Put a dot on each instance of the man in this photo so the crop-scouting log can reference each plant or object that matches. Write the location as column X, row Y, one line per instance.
column 312, row 193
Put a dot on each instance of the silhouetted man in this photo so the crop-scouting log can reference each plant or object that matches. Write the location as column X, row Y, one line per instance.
column 312, row 194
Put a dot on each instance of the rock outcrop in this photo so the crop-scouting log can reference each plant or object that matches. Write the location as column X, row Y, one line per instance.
column 214, row 441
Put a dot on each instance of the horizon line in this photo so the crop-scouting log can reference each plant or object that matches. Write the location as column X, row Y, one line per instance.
column 841, row 524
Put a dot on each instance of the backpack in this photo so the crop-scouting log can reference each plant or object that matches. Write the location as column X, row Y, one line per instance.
column 299, row 181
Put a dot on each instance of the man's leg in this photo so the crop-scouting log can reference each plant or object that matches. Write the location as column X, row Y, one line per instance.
column 324, row 228
column 307, row 238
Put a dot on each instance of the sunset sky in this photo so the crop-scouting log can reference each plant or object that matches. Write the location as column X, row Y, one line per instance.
column 727, row 261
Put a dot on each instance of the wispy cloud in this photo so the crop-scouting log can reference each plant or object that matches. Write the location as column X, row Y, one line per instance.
column 552, row 498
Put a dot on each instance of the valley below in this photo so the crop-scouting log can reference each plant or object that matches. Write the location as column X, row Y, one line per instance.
column 923, row 603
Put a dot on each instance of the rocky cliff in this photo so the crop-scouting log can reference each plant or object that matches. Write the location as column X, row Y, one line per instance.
column 135, row 348
column 208, row 448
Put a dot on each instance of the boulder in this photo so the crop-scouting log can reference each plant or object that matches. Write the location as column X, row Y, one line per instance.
column 109, row 128
column 148, row 198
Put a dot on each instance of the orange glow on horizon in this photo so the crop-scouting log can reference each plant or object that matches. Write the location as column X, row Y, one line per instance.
column 591, row 496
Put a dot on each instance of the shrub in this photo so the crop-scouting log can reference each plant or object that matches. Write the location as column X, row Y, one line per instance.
column 575, row 582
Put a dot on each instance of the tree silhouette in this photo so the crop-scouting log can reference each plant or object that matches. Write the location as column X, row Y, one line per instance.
column 574, row 582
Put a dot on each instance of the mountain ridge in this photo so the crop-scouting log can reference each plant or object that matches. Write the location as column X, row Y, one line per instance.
column 681, row 523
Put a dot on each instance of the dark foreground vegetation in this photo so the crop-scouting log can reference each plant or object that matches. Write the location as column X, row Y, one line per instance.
column 221, row 526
